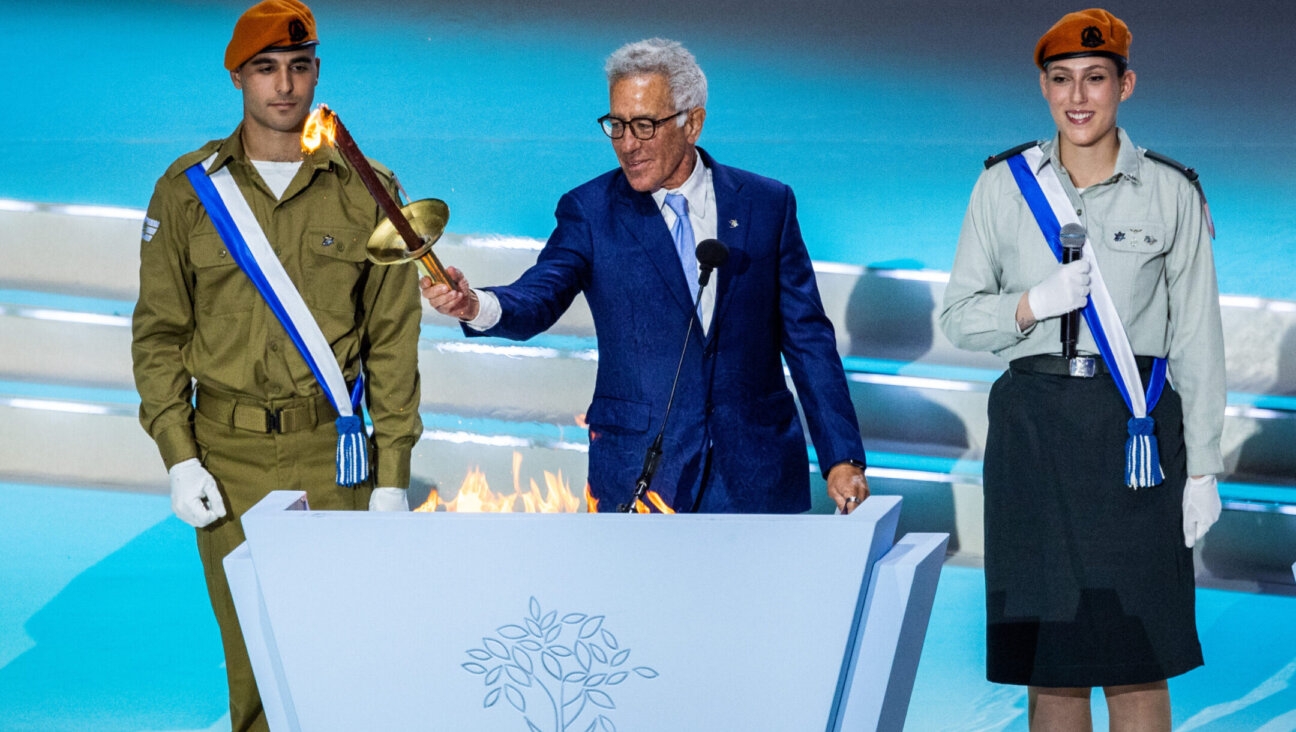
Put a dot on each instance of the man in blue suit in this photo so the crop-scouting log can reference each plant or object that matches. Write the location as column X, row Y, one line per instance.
column 733, row 442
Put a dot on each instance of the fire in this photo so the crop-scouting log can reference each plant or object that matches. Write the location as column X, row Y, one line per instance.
column 476, row 496
column 320, row 125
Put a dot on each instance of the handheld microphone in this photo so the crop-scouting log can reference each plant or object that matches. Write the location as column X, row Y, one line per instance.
column 1072, row 238
column 711, row 253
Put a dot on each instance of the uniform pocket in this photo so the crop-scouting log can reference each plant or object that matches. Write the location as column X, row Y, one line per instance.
column 1132, row 257
column 220, row 285
column 333, row 261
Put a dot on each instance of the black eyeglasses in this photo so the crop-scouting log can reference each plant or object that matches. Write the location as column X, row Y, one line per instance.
column 642, row 127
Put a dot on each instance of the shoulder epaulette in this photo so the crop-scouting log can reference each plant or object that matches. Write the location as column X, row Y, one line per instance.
column 1188, row 172
column 1192, row 177
column 993, row 159
column 183, row 162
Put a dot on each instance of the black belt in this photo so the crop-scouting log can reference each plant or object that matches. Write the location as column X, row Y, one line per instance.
column 281, row 415
column 1082, row 366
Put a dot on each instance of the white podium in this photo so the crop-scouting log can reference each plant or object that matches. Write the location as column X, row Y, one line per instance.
column 580, row 622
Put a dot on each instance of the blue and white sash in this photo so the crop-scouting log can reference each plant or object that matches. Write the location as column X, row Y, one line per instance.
column 247, row 244
column 1052, row 209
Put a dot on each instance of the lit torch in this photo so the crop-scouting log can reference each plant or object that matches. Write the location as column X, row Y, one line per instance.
column 407, row 233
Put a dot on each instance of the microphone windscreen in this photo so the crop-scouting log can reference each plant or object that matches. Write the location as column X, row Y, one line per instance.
column 712, row 253
column 1073, row 231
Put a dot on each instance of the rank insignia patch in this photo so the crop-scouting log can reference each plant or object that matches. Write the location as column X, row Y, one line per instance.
column 1120, row 236
column 1091, row 37
column 150, row 228
column 328, row 241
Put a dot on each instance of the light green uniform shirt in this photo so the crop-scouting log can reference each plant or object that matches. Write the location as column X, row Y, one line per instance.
column 1149, row 236
column 200, row 317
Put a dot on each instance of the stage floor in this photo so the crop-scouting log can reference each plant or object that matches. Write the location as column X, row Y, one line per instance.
column 105, row 626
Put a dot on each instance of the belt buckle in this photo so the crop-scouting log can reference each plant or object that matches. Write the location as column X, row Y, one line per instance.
column 274, row 421
column 1082, row 367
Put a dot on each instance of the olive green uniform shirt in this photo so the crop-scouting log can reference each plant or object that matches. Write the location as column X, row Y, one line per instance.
column 1149, row 236
column 199, row 317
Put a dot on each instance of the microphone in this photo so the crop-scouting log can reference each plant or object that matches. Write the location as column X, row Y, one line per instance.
column 711, row 253
column 1072, row 238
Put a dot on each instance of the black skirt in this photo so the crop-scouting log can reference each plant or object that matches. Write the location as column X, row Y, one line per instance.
column 1088, row 582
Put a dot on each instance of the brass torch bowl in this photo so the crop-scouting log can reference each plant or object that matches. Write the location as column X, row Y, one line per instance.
column 427, row 218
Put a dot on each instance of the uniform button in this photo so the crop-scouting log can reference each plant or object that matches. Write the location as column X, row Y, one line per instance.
column 1079, row 212
column 274, row 391
column 710, row 406
column 274, row 346
column 221, row 254
column 710, row 350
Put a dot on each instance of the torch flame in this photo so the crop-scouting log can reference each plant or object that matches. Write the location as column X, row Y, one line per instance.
column 320, row 125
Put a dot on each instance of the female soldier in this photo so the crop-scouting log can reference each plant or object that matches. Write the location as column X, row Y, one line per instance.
column 1090, row 510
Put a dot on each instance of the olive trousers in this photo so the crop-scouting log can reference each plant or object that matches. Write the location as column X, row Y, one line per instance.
column 247, row 465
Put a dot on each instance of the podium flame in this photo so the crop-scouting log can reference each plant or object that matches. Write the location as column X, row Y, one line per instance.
column 475, row 496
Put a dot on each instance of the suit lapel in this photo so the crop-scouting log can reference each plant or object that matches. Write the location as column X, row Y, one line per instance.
column 638, row 213
column 733, row 219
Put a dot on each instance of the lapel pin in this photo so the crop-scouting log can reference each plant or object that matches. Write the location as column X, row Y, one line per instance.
column 733, row 223
column 328, row 240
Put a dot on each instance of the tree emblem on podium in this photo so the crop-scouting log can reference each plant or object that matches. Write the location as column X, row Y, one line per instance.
column 555, row 669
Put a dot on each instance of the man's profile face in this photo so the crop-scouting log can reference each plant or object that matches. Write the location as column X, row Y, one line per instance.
column 666, row 160
column 278, row 88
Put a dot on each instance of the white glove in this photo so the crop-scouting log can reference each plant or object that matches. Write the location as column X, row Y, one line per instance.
column 388, row 499
column 1201, row 508
column 1061, row 292
column 194, row 496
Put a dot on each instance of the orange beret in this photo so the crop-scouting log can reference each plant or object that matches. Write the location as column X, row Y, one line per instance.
column 281, row 24
column 1093, row 32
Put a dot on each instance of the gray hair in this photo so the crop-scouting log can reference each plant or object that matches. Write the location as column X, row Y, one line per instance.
column 688, row 84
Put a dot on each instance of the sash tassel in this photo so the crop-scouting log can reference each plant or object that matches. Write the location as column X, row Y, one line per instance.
column 1142, row 455
column 352, row 452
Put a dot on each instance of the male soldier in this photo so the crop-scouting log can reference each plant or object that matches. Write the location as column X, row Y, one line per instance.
column 626, row 239
column 262, row 420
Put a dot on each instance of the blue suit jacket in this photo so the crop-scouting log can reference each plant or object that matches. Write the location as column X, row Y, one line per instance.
column 612, row 243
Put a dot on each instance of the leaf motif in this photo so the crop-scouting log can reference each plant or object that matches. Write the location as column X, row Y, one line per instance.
column 492, row 696
column 479, row 654
column 531, row 726
column 573, row 618
column 530, row 645
column 553, row 633
column 518, row 675
column 515, row 698
column 582, row 655
column 620, row 657
column 591, row 626
column 593, row 726
column 579, row 702
column 497, row 649
column 512, row 632
column 645, row 672
column 597, row 652
column 551, row 665
column 549, row 619
column 494, row 675
column 473, row 668
column 561, row 651
column 606, row 724
column 617, row 678
column 535, row 609
column 574, row 677
column 595, row 680
column 609, row 639
column 534, row 628
column 523, row 659
column 598, row 698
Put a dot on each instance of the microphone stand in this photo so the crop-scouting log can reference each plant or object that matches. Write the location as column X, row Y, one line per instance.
column 652, row 458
